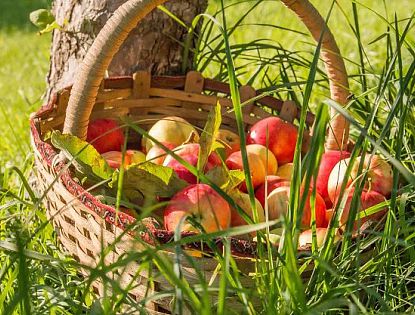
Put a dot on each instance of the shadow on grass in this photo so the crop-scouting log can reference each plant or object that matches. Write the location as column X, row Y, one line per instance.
column 15, row 14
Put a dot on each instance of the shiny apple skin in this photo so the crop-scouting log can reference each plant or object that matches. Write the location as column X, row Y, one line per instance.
column 209, row 209
column 279, row 136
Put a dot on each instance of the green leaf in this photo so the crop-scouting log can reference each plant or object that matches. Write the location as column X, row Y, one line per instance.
column 207, row 139
column 42, row 18
column 50, row 27
column 225, row 179
column 219, row 147
column 148, row 181
column 219, row 176
column 84, row 157
column 88, row 299
column 45, row 21
column 236, row 177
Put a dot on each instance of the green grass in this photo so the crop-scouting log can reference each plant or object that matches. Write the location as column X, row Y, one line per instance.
column 278, row 27
column 24, row 58
column 35, row 277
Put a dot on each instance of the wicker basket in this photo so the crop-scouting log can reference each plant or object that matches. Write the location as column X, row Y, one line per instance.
column 85, row 225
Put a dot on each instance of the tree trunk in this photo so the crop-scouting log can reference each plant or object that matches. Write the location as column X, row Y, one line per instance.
column 153, row 45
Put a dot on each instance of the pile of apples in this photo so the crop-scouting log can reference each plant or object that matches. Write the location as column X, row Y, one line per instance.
column 270, row 149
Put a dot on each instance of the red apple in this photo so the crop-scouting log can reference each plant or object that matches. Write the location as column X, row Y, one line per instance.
column 157, row 155
column 242, row 200
column 190, row 153
column 320, row 213
column 258, row 156
column 282, row 137
column 278, row 202
column 173, row 130
column 367, row 199
column 201, row 202
column 273, row 182
column 104, row 140
column 230, row 140
column 328, row 161
column 379, row 176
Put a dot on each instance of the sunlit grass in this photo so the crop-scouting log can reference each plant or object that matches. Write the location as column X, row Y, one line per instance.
column 272, row 25
column 23, row 68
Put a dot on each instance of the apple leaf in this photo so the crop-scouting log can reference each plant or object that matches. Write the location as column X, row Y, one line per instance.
column 149, row 181
column 208, row 137
column 41, row 18
column 49, row 28
column 236, row 177
column 220, row 148
column 44, row 20
column 225, row 179
column 219, row 176
column 83, row 156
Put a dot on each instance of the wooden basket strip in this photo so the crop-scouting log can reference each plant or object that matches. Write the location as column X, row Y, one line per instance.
column 288, row 111
column 108, row 95
column 246, row 93
column 141, row 85
column 166, row 82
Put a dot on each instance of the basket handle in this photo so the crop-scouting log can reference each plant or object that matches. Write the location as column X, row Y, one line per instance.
column 127, row 16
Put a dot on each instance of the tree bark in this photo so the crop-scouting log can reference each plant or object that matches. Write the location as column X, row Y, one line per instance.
column 154, row 45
